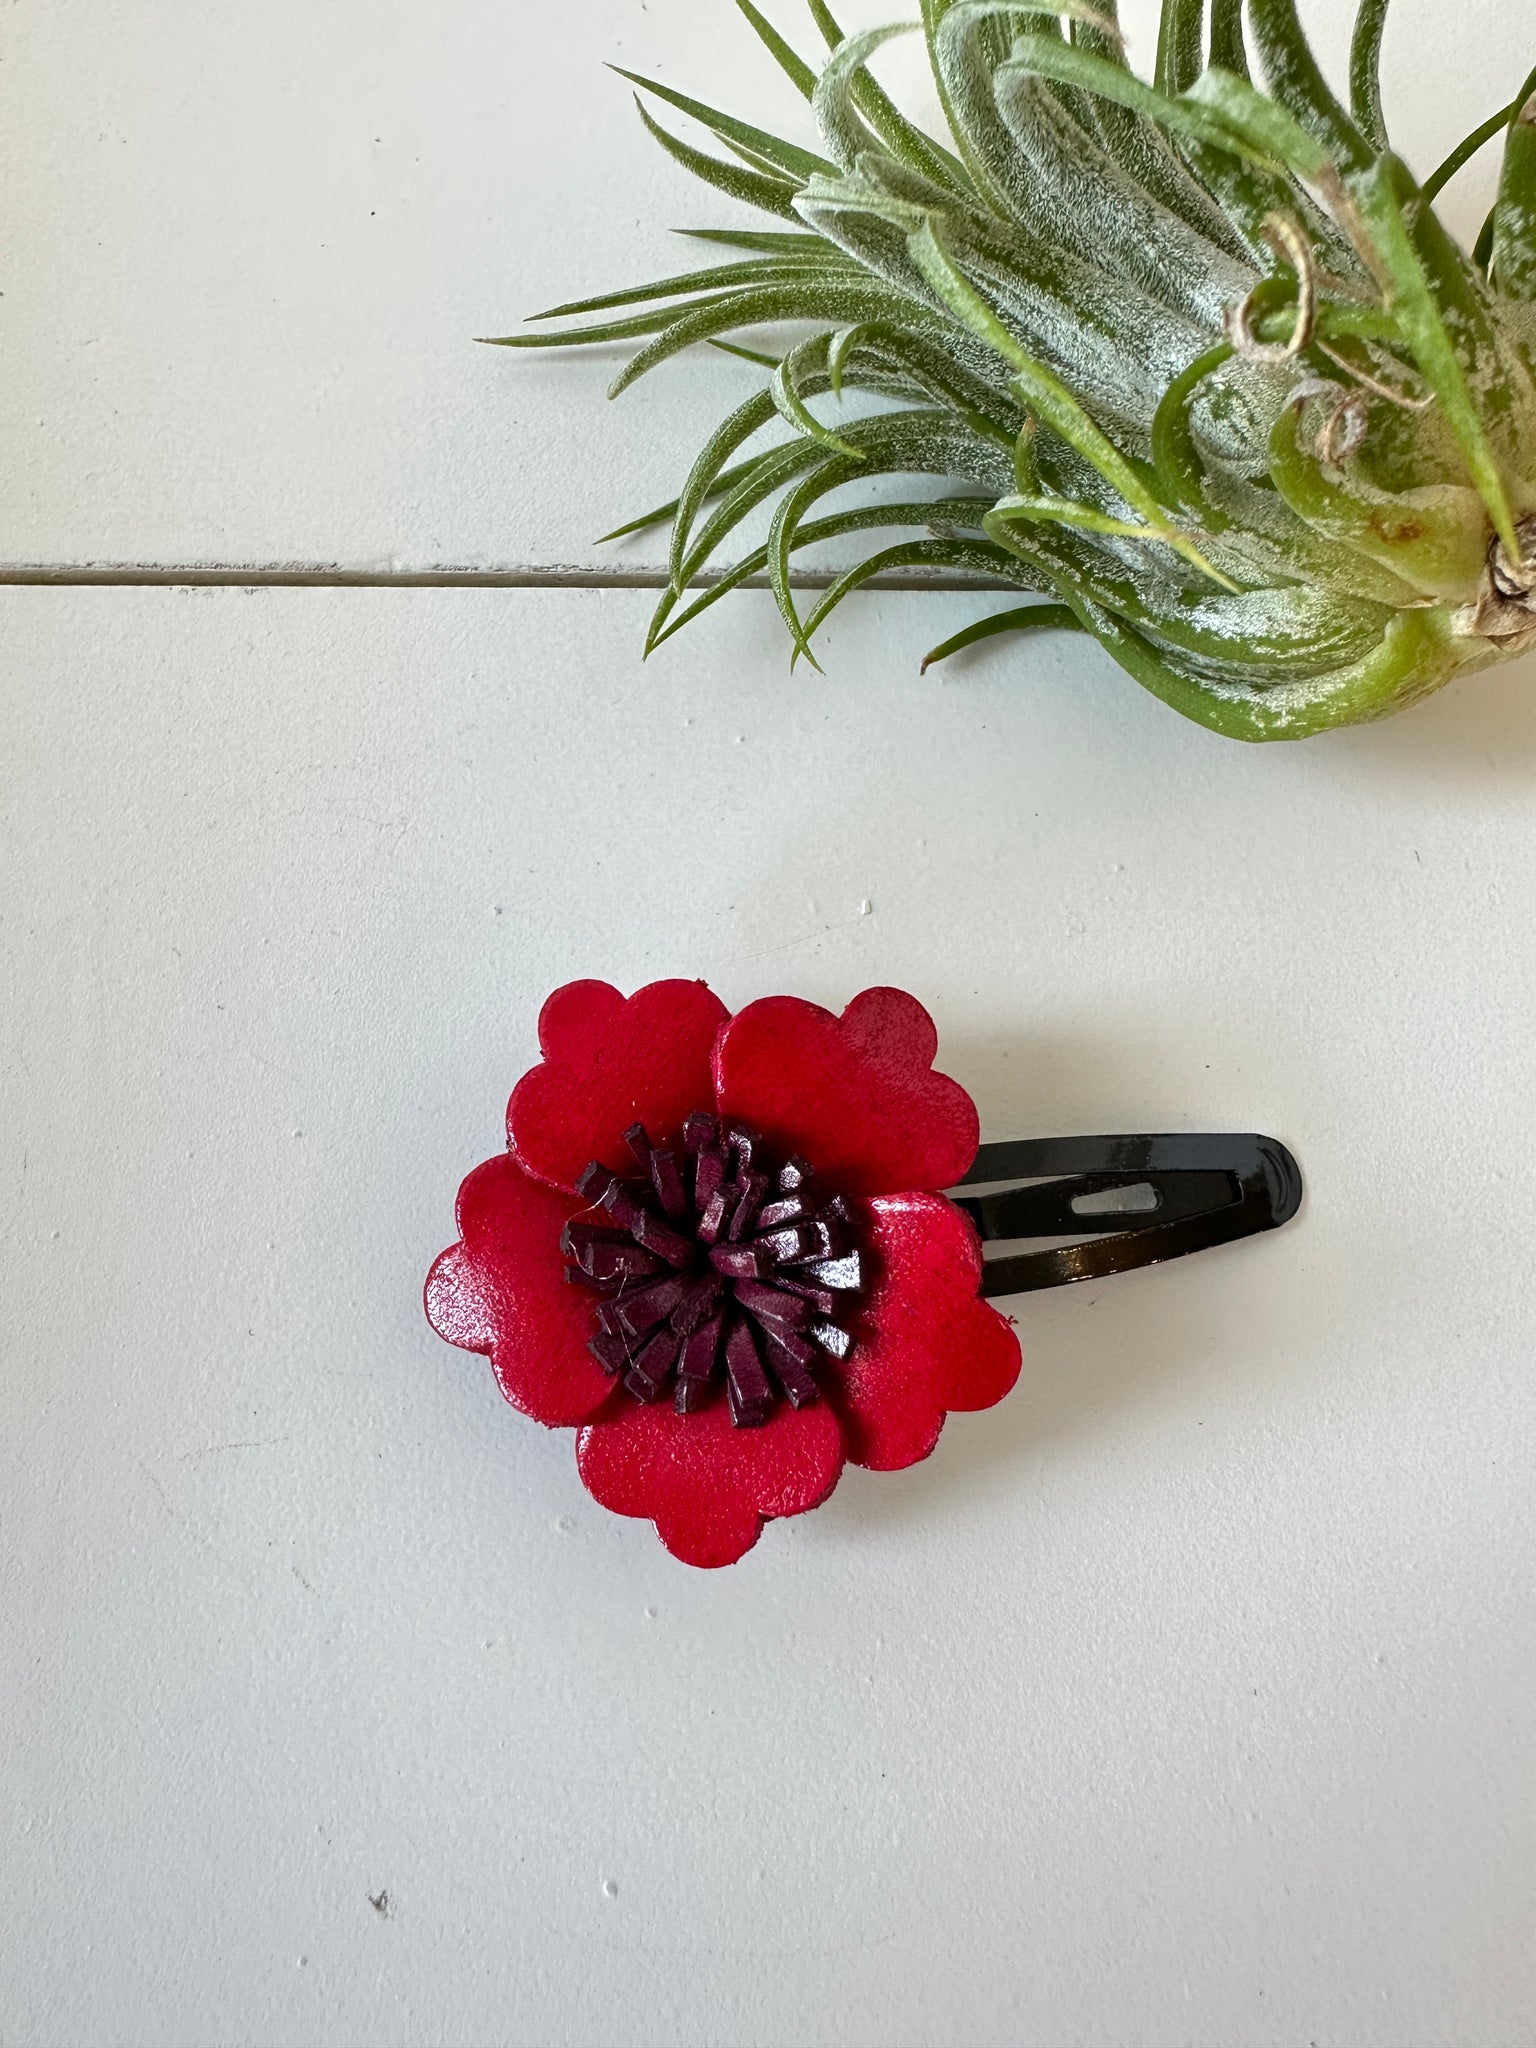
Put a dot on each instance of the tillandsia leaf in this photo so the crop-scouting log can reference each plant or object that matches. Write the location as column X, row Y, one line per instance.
column 980, row 558
column 1243, row 146
column 1228, row 50
column 1416, row 656
column 901, row 136
column 971, row 45
column 725, row 481
column 787, row 520
column 846, row 91
column 1299, row 632
column 1482, row 248
column 1413, row 300
column 960, row 40
column 1429, row 537
column 1071, row 314
column 840, row 347
column 890, row 352
column 810, row 355
column 1192, row 360
column 1073, row 103
column 630, row 328
column 829, row 299
column 1254, row 126
column 977, row 558
column 933, row 13
column 1512, row 232
column 1272, row 143
column 1026, row 618
column 768, row 270
column 909, row 443
column 1087, row 14
column 772, row 195
column 786, row 157
column 1102, row 35
column 1295, row 79
column 918, row 360
column 1365, row 71
column 794, row 67
column 706, row 478
column 761, row 356
column 773, row 471
column 1180, row 45
column 1086, row 202
column 755, row 162
column 1187, row 183
column 765, row 241
column 1049, row 399
column 1468, row 147
column 709, row 478
column 1066, row 512
column 1175, row 452
column 836, row 99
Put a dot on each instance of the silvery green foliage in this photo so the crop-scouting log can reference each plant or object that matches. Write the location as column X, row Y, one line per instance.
column 1193, row 361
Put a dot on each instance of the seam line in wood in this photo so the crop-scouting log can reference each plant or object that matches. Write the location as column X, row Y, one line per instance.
column 255, row 576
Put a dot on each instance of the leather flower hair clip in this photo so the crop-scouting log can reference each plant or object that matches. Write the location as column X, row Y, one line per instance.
column 717, row 1247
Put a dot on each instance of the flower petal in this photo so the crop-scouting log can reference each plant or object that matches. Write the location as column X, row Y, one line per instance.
column 609, row 1063
column 925, row 1342
column 503, row 1290
column 857, row 1093
column 708, row 1486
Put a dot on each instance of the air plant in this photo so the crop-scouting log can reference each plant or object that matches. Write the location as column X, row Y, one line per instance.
column 1195, row 360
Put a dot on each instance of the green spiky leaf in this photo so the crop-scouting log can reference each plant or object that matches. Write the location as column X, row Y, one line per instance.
column 1028, row 618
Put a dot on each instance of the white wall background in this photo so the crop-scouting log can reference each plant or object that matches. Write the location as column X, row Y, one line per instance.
column 1184, row 1700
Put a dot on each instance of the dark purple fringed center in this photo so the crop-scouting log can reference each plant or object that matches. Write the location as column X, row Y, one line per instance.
column 715, row 1265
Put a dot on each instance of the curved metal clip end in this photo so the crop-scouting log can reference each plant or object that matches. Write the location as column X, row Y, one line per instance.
column 1130, row 1201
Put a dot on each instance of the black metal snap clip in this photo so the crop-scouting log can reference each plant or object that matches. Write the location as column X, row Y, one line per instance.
column 1129, row 1201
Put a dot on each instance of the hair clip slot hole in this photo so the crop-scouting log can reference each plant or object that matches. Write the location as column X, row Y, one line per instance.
column 1128, row 1201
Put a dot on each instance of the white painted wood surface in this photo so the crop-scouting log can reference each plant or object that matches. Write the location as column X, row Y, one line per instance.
column 244, row 251
column 1182, row 1701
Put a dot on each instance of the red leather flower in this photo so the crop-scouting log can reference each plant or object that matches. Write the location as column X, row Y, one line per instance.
column 715, row 1246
